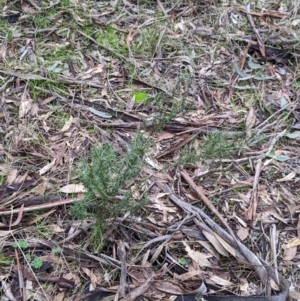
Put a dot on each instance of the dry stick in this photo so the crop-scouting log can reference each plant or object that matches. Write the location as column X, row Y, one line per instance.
column 198, row 190
column 273, row 73
column 273, row 240
column 20, row 276
column 236, row 75
column 17, row 221
column 121, row 251
column 251, row 212
column 260, row 42
column 39, row 207
column 84, row 227
column 34, row 4
column 260, row 127
column 274, row 141
column 3, row 87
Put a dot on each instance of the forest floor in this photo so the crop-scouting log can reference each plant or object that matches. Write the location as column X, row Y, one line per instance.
column 149, row 150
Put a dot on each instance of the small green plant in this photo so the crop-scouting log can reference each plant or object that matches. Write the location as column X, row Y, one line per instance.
column 296, row 84
column 140, row 96
column 220, row 145
column 182, row 261
column 2, row 178
column 56, row 250
column 4, row 260
column 37, row 263
column 112, row 38
column 21, row 244
column 106, row 176
column 188, row 155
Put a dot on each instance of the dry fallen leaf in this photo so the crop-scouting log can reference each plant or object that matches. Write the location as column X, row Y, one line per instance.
column 220, row 281
column 11, row 176
column 288, row 177
column 91, row 275
column 24, row 108
column 164, row 136
column 294, row 242
column 289, row 254
column 73, row 188
column 47, row 167
column 56, row 228
column 67, row 124
column 217, row 245
column 243, row 233
column 225, row 245
column 28, row 9
column 200, row 258
column 60, row 296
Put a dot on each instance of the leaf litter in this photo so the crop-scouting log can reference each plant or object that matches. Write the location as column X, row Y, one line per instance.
column 214, row 88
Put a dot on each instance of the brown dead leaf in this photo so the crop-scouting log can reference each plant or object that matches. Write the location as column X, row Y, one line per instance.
column 170, row 287
column 56, row 228
column 286, row 194
column 277, row 216
column 21, row 178
column 294, row 242
column 266, row 198
column 91, row 275
column 244, row 287
column 12, row 176
column 26, row 8
column 244, row 197
column 25, row 107
column 288, row 177
column 220, row 281
column 93, row 71
column 289, row 254
column 164, row 136
column 189, row 275
column 225, row 245
column 274, row 285
column 212, row 239
column 198, row 257
column 17, row 221
column 41, row 188
column 239, row 220
column 243, row 233
column 67, row 124
column 6, row 233
column 137, row 292
column 60, row 296
column 130, row 36
column 48, row 99
column 294, row 295
column 47, row 167
column 210, row 248
column 73, row 188
column 51, row 257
